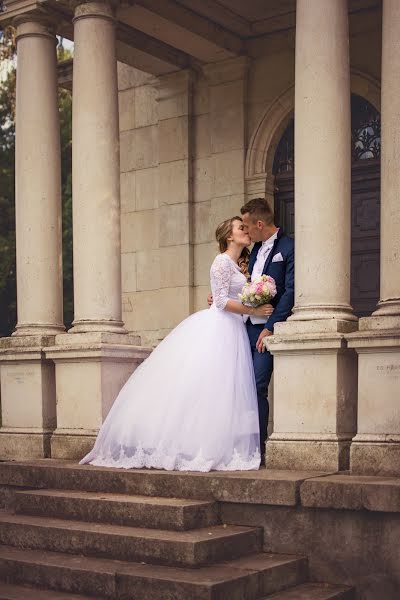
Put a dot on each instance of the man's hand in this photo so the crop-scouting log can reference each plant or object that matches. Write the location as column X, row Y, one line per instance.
column 209, row 299
column 260, row 344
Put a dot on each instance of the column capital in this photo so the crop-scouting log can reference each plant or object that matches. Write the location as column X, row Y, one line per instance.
column 102, row 9
column 20, row 12
column 35, row 25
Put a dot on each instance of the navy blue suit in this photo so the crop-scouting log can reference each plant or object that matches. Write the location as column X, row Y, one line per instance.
column 283, row 273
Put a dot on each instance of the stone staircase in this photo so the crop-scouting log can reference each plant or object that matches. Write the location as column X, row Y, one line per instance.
column 63, row 544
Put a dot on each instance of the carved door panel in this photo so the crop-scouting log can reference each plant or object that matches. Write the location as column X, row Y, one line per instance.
column 365, row 236
column 284, row 202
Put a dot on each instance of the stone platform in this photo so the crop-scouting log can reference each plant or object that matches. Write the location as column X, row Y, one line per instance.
column 114, row 533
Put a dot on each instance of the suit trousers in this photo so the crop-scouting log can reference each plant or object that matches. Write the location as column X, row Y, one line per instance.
column 263, row 366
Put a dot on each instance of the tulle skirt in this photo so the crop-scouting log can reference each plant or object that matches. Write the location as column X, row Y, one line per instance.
column 190, row 406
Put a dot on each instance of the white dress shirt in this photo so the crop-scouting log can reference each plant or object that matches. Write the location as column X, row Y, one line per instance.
column 262, row 255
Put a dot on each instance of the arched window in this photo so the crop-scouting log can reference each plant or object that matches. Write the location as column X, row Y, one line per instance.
column 365, row 137
column 365, row 130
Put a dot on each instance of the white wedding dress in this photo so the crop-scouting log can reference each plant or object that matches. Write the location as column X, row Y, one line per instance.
column 192, row 405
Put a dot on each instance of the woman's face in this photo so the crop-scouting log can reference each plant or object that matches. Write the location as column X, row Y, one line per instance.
column 238, row 235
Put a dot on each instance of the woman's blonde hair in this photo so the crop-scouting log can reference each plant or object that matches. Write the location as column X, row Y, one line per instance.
column 222, row 233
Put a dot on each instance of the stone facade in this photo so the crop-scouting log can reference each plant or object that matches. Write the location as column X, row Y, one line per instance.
column 203, row 103
column 239, row 109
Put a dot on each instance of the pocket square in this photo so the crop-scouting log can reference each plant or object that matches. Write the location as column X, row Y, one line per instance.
column 277, row 257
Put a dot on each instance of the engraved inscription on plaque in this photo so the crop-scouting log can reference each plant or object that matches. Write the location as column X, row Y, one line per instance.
column 391, row 370
column 19, row 377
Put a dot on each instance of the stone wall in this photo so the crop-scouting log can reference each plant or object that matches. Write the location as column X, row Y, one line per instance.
column 353, row 547
column 184, row 140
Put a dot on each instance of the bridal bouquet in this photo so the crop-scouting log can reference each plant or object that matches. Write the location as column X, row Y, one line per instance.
column 257, row 292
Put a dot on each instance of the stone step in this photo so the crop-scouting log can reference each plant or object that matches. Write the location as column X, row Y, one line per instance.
column 314, row 591
column 119, row 509
column 253, row 487
column 179, row 548
column 21, row 592
column 241, row 579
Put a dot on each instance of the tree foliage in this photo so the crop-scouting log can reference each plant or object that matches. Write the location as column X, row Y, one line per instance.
column 65, row 104
column 7, row 210
column 8, row 315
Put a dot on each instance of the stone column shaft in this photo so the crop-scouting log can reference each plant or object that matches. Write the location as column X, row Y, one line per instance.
column 323, row 161
column 95, row 171
column 390, row 160
column 375, row 449
column 315, row 378
column 38, row 182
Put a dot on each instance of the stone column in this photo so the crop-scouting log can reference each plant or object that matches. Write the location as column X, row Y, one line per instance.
column 27, row 378
column 376, row 447
column 38, row 182
column 96, row 357
column 95, row 169
column 315, row 374
column 323, row 161
column 389, row 304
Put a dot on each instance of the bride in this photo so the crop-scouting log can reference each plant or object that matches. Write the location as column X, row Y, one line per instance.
column 192, row 405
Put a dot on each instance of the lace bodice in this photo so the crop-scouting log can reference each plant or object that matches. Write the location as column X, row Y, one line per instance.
column 227, row 280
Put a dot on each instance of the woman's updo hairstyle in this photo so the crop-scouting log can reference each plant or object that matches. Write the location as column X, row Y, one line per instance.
column 222, row 234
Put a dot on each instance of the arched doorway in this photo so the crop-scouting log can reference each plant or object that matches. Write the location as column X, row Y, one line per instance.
column 365, row 200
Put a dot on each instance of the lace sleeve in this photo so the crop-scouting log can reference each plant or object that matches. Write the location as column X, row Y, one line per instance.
column 221, row 273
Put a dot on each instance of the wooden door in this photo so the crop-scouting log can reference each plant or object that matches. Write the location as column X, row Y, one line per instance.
column 365, row 236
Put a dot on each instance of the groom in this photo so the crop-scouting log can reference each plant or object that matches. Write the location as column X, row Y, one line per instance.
column 272, row 254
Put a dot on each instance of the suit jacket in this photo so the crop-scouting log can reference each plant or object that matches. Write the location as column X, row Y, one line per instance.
column 283, row 273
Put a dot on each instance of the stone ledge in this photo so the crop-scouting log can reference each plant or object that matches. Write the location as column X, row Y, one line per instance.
column 19, row 442
column 252, row 487
column 377, row 455
column 264, row 487
column 367, row 341
column 352, row 492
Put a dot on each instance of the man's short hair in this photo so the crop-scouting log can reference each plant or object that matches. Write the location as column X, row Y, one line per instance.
column 259, row 210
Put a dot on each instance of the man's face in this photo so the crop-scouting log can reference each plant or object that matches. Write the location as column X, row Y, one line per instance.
column 253, row 228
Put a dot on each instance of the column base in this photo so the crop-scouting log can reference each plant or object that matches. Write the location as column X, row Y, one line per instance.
column 343, row 312
column 380, row 322
column 91, row 368
column 376, row 448
column 35, row 329
column 22, row 444
column 375, row 455
column 389, row 308
column 315, row 396
column 28, row 397
column 98, row 326
column 314, row 454
column 68, row 444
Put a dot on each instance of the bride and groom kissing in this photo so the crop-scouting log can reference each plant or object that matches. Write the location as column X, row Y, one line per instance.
column 199, row 401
